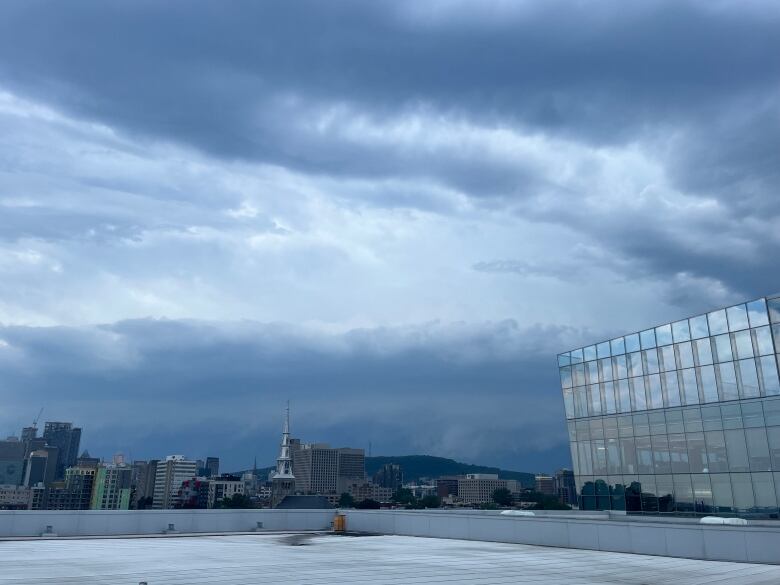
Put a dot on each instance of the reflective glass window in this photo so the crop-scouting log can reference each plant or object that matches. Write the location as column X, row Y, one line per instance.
column 723, row 500
column 736, row 450
column 723, row 348
column 663, row 335
column 773, row 437
column 681, row 331
column 665, row 492
column 641, row 425
column 613, row 456
column 763, row 341
column 776, row 335
column 632, row 342
column 743, row 344
column 657, row 422
column 661, row 459
column 589, row 353
column 580, row 401
column 605, row 370
column 667, row 358
column 704, row 351
column 757, row 313
column 625, row 426
column 717, row 322
column 651, row 361
column 599, row 457
column 635, row 364
column 709, row 389
column 692, row 420
column 618, row 346
column 711, row 419
column 672, row 389
column 702, row 493
column 594, row 399
column 769, row 375
column 620, row 367
column 564, row 359
column 742, row 488
column 684, row 355
column 690, row 390
column 758, row 450
column 774, row 309
column 699, row 327
column 654, row 394
column 628, row 454
column 738, row 318
column 602, row 350
column 674, row 420
column 716, row 451
column 752, row 414
column 772, row 412
column 683, row 493
column 568, row 402
column 764, row 490
column 585, row 458
column 576, row 356
column 592, row 370
column 678, row 453
column 644, row 454
column 566, row 377
column 638, row 394
column 647, row 338
column 728, row 381
column 748, row 377
column 583, row 430
column 610, row 427
column 609, row 398
column 624, row 396
column 596, row 428
column 731, row 415
column 578, row 374
column 697, row 452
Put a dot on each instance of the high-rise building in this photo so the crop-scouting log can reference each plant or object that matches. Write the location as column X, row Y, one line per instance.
column 322, row 469
column 565, row 487
column 41, row 467
column 679, row 418
column 544, row 484
column 67, row 439
column 11, row 462
column 169, row 476
column 75, row 492
column 391, row 476
column 142, row 481
column 283, row 481
column 112, row 488
column 212, row 466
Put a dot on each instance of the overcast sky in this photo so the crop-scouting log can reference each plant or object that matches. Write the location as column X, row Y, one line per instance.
column 393, row 214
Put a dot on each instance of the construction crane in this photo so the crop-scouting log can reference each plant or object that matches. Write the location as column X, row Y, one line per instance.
column 37, row 418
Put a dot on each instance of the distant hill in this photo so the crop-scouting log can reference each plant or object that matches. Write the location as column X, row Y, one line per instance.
column 417, row 466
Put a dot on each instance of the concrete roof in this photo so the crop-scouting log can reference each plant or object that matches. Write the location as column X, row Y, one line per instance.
column 379, row 560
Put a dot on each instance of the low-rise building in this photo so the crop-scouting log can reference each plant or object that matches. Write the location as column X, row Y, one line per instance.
column 478, row 488
column 14, row 497
column 224, row 486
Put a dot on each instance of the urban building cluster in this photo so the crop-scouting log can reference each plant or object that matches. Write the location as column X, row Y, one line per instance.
column 682, row 418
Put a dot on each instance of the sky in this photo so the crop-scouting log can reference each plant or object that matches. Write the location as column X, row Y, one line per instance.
column 392, row 214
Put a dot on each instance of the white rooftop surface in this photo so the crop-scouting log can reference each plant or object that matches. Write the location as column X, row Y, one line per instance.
column 247, row 559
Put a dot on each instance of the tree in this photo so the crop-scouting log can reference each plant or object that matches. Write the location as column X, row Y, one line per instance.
column 236, row 501
column 404, row 496
column 430, row 502
column 346, row 501
column 502, row 497
column 368, row 504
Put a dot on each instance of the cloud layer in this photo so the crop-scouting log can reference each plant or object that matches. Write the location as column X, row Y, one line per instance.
column 354, row 172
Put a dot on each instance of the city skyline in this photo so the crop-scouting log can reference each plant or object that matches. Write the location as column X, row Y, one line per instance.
column 394, row 214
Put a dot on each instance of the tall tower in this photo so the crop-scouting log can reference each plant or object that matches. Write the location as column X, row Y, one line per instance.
column 283, row 481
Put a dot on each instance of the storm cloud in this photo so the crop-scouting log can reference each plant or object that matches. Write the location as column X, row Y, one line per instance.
column 391, row 213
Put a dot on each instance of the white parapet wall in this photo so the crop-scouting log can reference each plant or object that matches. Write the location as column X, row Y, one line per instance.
column 26, row 523
column 666, row 537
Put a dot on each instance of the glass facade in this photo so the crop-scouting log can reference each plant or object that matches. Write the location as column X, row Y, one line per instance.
column 682, row 418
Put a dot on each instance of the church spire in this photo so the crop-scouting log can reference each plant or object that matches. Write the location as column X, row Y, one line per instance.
column 283, row 481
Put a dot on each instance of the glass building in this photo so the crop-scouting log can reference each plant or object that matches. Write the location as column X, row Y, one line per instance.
column 682, row 418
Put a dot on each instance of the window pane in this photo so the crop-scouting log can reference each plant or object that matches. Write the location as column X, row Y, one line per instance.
column 632, row 342
column 692, row 420
column 596, row 428
column 651, row 361
column 628, row 454
column 723, row 348
column 568, row 402
column 772, row 412
column 738, row 318
column 620, row 367
column 702, row 493
column 663, row 335
column 578, row 374
column 690, row 390
column 743, row 344
column 717, row 322
column 684, row 355
column 605, row 370
column 609, row 397
column 769, row 375
column 678, row 454
column 592, row 370
column 757, row 313
column 737, row 450
column 749, row 378
column 585, row 458
column 647, row 338
column 589, row 353
column 602, row 349
column 716, row 451
column 697, row 452
column 764, row 490
column 638, row 393
column 661, row 454
column 758, row 450
column 683, row 493
column 667, row 358
column 644, row 454
column 774, row 309
column 594, row 399
column 672, row 389
column 624, row 396
column 704, row 351
column 580, row 401
column 743, row 492
column 599, row 457
column 654, row 391
column 618, row 346
column 709, row 390
column 763, row 341
column 773, row 436
column 566, row 377
column 641, row 424
column 635, row 364
column 752, row 414
column 657, row 422
column 728, row 381
column 564, row 359
column 699, row 327
column 681, row 331
column 776, row 335
column 711, row 418
column 576, row 356
column 723, row 500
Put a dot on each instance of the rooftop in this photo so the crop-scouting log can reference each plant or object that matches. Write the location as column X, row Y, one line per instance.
column 339, row 559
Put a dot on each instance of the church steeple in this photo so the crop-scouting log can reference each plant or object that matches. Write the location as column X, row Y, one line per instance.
column 283, row 481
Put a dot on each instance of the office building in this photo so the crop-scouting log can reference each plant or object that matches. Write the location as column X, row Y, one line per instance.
column 143, row 476
column 169, row 476
column 478, row 488
column 544, row 484
column 447, row 485
column 67, row 439
column 41, row 467
column 74, row 492
column 565, row 487
column 224, row 486
column 681, row 418
column 390, row 476
column 11, row 462
column 14, row 497
column 112, row 488
column 316, row 468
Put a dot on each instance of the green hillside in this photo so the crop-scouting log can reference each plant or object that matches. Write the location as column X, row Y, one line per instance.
column 417, row 466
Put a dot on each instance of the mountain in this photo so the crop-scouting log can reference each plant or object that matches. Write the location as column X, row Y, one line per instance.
column 417, row 466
